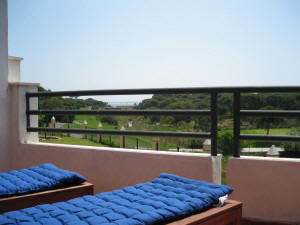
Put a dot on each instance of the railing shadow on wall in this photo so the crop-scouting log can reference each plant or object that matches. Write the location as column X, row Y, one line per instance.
column 212, row 112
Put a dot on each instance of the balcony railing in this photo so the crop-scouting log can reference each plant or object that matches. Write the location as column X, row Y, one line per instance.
column 212, row 112
column 237, row 113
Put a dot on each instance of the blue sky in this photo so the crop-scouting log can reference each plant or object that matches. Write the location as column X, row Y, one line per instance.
column 97, row 44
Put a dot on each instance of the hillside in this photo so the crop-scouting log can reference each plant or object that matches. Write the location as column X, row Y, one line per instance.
column 66, row 103
column 252, row 101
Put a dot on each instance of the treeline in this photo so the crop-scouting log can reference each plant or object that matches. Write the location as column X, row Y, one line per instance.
column 255, row 101
column 288, row 101
column 65, row 103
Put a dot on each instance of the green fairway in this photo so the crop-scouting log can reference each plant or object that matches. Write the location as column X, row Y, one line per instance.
column 275, row 131
column 72, row 141
column 131, row 141
column 141, row 123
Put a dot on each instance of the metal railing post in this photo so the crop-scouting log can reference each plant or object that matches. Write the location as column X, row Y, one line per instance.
column 214, row 123
column 27, row 110
column 122, row 145
column 236, row 123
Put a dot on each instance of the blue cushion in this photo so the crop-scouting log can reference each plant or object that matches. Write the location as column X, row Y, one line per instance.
column 166, row 198
column 38, row 178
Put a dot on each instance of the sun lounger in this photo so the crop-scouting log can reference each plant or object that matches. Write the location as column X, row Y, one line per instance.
column 40, row 185
column 168, row 199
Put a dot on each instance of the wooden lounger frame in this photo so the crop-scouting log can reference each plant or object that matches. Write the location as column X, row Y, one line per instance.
column 229, row 214
column 45, row 197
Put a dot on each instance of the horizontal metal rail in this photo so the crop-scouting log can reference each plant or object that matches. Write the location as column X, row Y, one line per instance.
column 262, row 137
column 188, row 90
column 121, row 132
column 120, row 112
column 271, row 113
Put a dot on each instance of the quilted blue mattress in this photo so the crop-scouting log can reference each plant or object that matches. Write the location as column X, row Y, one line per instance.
column 166, row 198
column 37, row 178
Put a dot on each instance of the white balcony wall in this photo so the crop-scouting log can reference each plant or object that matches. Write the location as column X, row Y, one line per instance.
column 111, row 169
column 268, row 187
column 4, row 113
column 14, row 69
column 18, row 121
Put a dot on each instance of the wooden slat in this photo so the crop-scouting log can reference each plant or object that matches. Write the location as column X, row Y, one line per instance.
column 45, row 197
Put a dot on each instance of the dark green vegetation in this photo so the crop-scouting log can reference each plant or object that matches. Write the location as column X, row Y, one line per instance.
column 248, row 101
column 292, row 149
column 65, row 103
column 253, row 125
column 72, row 141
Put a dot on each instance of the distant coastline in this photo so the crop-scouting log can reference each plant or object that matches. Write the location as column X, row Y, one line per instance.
column 127, row 103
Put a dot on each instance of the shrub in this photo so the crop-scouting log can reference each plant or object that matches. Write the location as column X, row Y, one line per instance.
column 292, row 149
column 110, row 120
column 225, row 142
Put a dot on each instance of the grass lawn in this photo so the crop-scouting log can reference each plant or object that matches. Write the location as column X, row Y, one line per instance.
column 144, row 142
column 72, row 141
column 91, row 120
column 130, row 142
column 72, row 125
column 141, row 123
column 275, row 131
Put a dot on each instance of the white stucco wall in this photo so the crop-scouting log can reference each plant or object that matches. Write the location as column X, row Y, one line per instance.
column 4, row 157
column 109, row 168
column 268, row 187
column 18, row 120
column 14, row 69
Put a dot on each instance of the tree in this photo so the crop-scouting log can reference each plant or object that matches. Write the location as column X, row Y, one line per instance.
column 57, row 103
column 266, row 122
column 202, row 123
column 110, row 120
column 225, row 142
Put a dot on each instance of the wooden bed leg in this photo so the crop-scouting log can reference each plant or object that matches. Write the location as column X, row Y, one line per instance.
column 239, row 216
